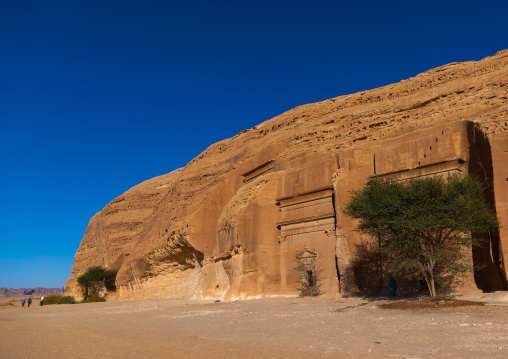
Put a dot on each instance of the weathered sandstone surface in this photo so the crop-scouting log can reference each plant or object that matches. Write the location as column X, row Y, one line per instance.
column 231, row 223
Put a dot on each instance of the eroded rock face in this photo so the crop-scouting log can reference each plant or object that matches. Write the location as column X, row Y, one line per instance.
column 230, row 224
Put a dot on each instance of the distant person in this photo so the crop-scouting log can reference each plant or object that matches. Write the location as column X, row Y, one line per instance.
column 42, row 300
column 29, row 302
column 23, row 302
column 393, row 287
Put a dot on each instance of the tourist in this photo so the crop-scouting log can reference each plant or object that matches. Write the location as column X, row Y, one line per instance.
column 393, row 287
column 23, row 302
column 42, row 300
column 29, row 302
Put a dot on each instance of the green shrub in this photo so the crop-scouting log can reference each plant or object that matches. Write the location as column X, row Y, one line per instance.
column 52, row 299
column 67, row 300
column 309, row 275
column 93, row 299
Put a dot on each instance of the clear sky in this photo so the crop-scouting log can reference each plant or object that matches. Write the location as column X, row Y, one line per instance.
column 98, row 96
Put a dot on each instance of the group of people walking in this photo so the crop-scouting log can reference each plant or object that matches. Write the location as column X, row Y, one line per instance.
column 29, row 301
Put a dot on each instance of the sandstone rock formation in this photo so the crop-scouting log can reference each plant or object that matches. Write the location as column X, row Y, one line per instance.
column 230, row 224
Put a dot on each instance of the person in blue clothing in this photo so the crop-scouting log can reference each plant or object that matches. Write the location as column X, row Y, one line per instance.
column 29, row 302
column 393, row 287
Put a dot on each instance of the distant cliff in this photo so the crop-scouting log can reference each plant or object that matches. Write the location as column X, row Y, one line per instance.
column 19, row 292
column 230, row 224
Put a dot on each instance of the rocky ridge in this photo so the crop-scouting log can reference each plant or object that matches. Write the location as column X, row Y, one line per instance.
column 206, row 230
column 19, row 292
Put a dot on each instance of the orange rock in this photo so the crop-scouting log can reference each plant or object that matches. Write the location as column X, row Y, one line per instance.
column 229, row 224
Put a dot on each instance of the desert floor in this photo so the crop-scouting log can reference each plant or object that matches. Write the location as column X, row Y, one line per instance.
column 265, row 328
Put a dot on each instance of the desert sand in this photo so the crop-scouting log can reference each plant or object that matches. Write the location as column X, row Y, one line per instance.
column 265, row 328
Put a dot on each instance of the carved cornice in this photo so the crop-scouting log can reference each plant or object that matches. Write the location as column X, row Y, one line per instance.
column 258, row 171
column 307, row 196
column 453, row 161
column 306, row 219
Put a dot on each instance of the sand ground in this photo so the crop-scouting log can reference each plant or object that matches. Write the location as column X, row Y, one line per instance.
column 267, row 328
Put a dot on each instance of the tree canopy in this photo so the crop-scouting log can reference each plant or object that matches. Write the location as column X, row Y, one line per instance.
column 425, row 224
column 96, row 279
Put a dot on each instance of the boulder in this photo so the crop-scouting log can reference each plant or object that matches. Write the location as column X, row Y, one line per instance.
column 231, row 223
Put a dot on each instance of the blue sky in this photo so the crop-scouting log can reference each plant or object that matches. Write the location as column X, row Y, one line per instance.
column 98, row 96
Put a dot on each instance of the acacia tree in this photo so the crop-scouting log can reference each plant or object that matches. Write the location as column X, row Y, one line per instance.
column 95, row 279
column 424, row 224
